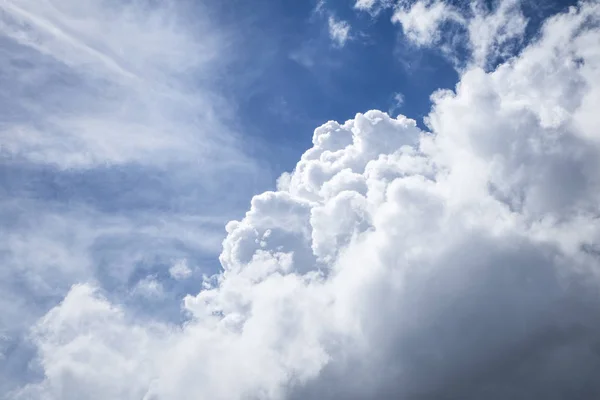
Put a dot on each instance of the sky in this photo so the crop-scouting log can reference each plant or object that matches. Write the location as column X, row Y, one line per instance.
column 292, row 200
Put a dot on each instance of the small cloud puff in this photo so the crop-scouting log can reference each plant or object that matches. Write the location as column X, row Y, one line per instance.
column 180, row 270
column 339, row 31
column 149, row 288
column 397, row 103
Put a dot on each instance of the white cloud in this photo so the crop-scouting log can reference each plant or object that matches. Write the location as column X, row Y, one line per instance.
column 320, row 7
column 149, row 288
column 46, row 248
column 392, row 262
column 111, row 83
column 398, row 99
column 339, row 31
column 421, row 21
column 489, row 34
column 397, row 103
column 492, row 33
column 364, row 4
column 114, row 145
column 99, row 345
column 373, row 6
column 180, row 270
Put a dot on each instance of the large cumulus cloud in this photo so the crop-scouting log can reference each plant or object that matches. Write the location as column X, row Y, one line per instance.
column 455, row 263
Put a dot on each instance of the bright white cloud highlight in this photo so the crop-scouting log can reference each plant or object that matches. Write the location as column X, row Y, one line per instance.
column 421, row 21
column 373, row 6
column 490, row 34
column 365, row 4
column 339, row 31
column 392, row 262
column 494, row 34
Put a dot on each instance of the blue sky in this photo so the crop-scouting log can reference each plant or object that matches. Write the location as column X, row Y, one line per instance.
column 132, row 132
column 289, row 76
column 293, row 77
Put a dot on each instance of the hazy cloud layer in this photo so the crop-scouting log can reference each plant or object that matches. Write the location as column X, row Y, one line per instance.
column 116, row 149
column 98, row 82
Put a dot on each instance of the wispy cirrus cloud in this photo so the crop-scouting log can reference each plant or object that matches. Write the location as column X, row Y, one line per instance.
column 339, row 30
column 111, row 82
column 114, row 139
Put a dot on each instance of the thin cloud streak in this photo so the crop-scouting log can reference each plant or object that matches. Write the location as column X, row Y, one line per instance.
column 141, row 86
column 114, row 139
